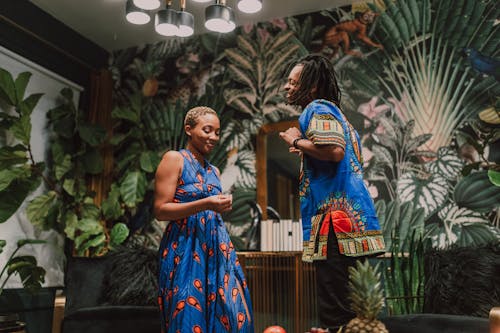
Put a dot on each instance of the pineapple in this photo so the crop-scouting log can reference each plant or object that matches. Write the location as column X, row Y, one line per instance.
column 367, row 299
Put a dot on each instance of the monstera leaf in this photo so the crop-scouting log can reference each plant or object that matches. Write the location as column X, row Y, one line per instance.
column 447, row 164
column 428, row 192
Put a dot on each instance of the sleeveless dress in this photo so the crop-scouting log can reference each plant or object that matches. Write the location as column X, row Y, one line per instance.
column 201, row 283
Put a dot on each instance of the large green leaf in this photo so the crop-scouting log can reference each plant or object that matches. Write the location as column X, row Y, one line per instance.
column 7, row 87
column 447, row 164
column 92, row 162
column 8, row 175
column 93, row 134
column 20, row 84
column 118, row 234
column 32, row 276
column 126, row 114
column 14, row 195
column 63, row 166
column 428, row 192
column 28, row 105
column 22, row 129
column 90, row 226
column 71, row 225
column 133, row 188
column 10, row 156
column 111, row 207
column 38, row 209
column 477, row 193
column 494, row 177
column 461, row 226
column 89, row 209
column 149, row 161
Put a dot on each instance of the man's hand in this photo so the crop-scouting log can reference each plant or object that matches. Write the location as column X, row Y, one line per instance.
column 289, row 135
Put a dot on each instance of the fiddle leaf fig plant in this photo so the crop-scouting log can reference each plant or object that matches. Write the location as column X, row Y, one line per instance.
column 67, row 205
column 19, row 174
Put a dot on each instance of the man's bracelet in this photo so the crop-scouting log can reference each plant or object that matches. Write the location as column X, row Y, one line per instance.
column 295, row 142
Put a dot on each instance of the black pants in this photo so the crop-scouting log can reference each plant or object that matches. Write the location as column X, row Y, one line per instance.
column 332, row 279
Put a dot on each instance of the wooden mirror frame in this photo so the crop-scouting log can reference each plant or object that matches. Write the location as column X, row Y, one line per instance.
column 261, row 159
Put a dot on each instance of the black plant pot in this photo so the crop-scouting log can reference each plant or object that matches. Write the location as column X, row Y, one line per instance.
column 35, row 310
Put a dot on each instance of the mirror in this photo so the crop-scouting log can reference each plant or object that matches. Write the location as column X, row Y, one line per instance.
column 277, row 172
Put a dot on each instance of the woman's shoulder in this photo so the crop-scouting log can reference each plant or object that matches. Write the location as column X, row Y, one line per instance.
column 171, row 159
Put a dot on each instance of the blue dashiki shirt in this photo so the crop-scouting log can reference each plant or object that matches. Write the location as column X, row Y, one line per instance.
column 335, row 192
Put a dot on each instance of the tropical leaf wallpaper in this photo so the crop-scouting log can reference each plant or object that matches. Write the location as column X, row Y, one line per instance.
column 421, row 85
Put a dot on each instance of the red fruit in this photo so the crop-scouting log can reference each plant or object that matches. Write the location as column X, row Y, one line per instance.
column 274, row 329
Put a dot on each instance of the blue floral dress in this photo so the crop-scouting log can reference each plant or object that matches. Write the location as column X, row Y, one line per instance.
column 334, row 193
column 201, row 283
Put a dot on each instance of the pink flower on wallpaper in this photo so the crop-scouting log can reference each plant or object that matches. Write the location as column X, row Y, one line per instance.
column 193, row 57
column 279, row 23
column 367, row 156
column 372, row 189
column 370, row 110
column 263, row 35
column 247, row 28
column 400, row 107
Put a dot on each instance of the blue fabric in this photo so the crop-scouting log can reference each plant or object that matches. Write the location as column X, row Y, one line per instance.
column 335, row 192
column 202, row 287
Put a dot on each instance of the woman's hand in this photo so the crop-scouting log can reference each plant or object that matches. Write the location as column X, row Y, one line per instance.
column 220, row 203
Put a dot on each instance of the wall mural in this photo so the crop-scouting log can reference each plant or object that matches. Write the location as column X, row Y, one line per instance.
column 419, row 80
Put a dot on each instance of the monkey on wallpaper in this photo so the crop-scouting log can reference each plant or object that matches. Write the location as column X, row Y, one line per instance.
column 339, row 33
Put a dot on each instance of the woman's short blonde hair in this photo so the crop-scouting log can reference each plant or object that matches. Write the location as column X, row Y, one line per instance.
column 192, row 115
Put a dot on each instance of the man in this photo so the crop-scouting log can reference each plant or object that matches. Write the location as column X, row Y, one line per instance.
column 338, row 215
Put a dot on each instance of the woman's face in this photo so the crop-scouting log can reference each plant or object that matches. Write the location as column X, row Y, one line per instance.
column 205, row 134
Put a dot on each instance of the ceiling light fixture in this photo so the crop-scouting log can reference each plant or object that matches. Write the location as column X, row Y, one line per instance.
column 169, row 22
column 185, row 21
column 147, row 4
column 166, row 21
column 219, row 17
column 250, row 6
column 135, row 15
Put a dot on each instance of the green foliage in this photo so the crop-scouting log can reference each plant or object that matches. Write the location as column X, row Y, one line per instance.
column 32, row 276
column 477, row 192
column 399, row 222
column 404, row 278
column 256, row 67
column 423, row 65
column 67, row 206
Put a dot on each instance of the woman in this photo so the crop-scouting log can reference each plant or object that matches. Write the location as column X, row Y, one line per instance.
column 201, row 284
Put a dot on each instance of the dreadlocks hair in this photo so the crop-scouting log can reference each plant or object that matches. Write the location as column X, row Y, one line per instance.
column 317, row 72
column 193, row 114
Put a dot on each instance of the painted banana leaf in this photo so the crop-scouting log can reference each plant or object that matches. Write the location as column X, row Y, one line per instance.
column 424, row 65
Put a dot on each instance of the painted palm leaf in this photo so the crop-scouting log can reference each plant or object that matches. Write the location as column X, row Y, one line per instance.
column 429, row 73
column 257, row 68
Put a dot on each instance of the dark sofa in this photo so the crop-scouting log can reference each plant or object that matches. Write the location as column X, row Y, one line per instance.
column 91, row 306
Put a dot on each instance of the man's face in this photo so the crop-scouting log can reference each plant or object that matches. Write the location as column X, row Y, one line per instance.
column 292, row 84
